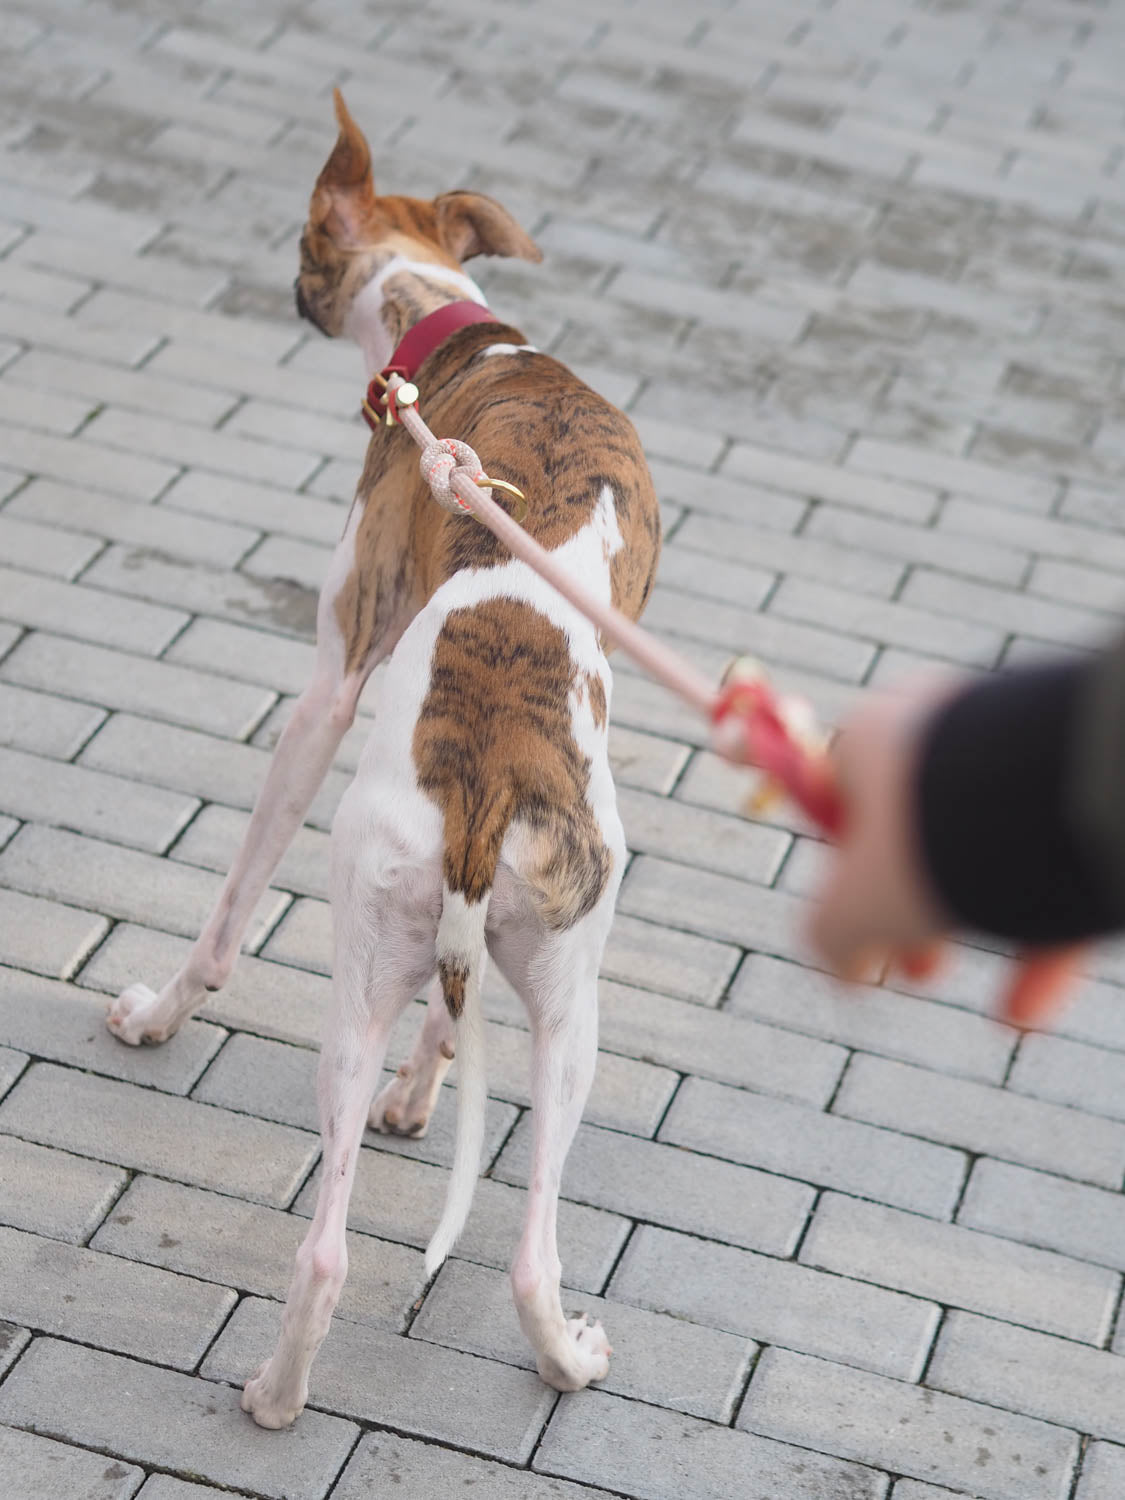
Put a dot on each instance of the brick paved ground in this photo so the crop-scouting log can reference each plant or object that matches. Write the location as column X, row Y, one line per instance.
column 846, row 1250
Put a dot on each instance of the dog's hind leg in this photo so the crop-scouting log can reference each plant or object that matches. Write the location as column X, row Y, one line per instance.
column 405, row 1105
column 322, row 716
column 564, row 1040
column 369, row 993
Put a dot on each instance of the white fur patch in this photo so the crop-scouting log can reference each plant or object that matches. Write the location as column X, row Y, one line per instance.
column 432, row 271
column 460, row 933
column 509, row 349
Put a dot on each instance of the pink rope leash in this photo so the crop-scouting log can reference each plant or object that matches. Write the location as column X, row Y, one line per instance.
column 750, row 725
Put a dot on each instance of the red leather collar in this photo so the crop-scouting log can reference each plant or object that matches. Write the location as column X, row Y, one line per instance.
column 416, row 347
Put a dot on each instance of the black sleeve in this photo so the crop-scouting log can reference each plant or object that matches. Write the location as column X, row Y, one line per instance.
column 1021, row 802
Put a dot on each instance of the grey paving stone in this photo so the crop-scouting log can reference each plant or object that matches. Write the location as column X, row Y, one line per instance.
column 38, row 548
column 873, row 1019
column 246, row 654
column 714, row 906
column 34, row 1468
column 674, row 963
column 180, row 759
column 1023, row 1371
column 107, row 807
column 398, row 1199
column 13, row 1341
column 179, row 1422
column 38, row 723
column 256, row 505
column 978, row 1118
column 12, row 1065
column 1004, row 609
column 73, row 510
column 659, row 1455
column 974, row 557
column 420, row 1470
column 402, row 1383
column 679, row 1189
column 695, row 836
column 245, row 458
column 251, row 1248
column 845, row 566
column 112, row 679
column 815, row 1147
column 276, row 1082
column 1039, row 1209
column 1066, row 1072
column 145, row 574
column 776, row 1301
column 80, row 1192
column 894, row 624
column 149, row 1131
column 662, row 1360
column 961, row 475
column 89, row 614
column 913, row 1489
column 627, row 1094
column 265, row 998
column 1103, row 1473
column 121, row 882
column 214, row 835
column 303, row 937
column 908, row 1429
column 44, row 936
column 906, row 501
column 67, row 1025
column 738, row 628
column 961, row 1267
column 164, row 1487
column 715, row 1045
column 111, row 1303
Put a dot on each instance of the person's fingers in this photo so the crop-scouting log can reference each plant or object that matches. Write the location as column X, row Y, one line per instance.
column 921, row 962
column 839, row 926
column 1039, row 985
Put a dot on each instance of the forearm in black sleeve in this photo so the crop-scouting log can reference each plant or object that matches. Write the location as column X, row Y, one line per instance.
column 1021, row 802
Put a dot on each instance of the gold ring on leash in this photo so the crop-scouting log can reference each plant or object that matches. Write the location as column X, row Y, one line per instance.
column 484, row 483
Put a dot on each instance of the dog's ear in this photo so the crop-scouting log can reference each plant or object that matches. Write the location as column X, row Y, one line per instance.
column 345, row 193
column 470, row 224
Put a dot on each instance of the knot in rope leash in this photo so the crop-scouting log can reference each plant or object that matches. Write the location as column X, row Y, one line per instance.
column 443, row 459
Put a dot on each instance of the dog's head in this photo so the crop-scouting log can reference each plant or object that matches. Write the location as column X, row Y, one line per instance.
column 352, row 234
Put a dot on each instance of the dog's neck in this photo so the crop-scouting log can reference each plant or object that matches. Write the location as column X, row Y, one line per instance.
column 399, row 295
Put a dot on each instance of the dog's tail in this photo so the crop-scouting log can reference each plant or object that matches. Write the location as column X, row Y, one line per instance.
column 461, row 959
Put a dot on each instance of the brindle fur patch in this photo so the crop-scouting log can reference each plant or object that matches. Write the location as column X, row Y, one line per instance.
column 453, row 976
column 595, row 689
column 494, row 746
column 533, row 423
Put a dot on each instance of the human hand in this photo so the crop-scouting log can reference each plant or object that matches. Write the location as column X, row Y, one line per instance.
column 877, row 902
column 877, row 905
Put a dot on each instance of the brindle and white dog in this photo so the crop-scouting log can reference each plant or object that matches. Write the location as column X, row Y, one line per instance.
column 482, row 816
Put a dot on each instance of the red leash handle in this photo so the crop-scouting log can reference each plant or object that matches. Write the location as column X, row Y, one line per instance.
column 751, row 728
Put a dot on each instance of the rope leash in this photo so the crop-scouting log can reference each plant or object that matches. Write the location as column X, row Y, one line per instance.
column 750, row 723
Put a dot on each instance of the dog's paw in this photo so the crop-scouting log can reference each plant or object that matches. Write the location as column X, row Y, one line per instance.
column 404, row 1107
column 134, row 1017
column 269, row 1406
column 584, row 1359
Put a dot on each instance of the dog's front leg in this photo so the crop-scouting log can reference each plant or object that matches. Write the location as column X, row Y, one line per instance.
column 322, row 716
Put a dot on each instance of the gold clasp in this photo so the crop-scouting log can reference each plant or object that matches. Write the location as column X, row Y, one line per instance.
column 484, row 483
